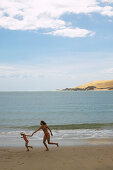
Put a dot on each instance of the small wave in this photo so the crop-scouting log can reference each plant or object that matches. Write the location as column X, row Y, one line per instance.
column 71, row 126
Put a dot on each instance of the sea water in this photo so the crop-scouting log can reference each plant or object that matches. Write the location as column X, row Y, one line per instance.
column 74, row 116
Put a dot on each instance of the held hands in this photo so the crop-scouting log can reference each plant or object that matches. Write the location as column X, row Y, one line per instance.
column 32, row 134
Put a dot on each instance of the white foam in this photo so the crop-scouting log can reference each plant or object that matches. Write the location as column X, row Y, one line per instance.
column 62, row 136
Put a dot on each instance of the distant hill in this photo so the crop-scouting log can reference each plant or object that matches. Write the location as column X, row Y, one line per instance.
column 94, row 85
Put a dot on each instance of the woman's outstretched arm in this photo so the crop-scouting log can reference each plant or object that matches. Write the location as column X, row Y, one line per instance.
column 50, row 131
column 36, row 131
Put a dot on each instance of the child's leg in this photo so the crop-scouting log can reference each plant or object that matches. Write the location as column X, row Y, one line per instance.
column 48, row 140
column 30, row 147
column 44, row 142
column 26, row 144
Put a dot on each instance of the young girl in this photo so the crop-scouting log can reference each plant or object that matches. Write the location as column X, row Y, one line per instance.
column 45, row 128
column 23, row 135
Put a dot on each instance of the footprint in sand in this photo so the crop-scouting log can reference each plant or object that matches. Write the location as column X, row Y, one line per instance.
column 21, row 164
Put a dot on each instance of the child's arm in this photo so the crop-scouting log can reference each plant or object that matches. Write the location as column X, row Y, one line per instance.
column 36, row 130
column 50, row 131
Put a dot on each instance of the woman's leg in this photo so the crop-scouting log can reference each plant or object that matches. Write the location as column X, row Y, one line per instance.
column 44, row 142
column 48, row 140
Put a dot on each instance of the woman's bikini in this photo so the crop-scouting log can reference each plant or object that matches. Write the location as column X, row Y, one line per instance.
column 25, row 138
column 44, row 128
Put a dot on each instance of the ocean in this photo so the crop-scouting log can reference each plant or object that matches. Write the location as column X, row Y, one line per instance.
column 75, row 117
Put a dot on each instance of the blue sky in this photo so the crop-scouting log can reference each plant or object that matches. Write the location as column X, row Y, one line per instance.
column 49, row 46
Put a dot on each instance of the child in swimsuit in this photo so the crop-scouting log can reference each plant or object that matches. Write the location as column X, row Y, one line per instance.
column 23, row 135
column 45, row 128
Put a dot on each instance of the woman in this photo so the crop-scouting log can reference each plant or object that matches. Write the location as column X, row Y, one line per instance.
column 45, row 128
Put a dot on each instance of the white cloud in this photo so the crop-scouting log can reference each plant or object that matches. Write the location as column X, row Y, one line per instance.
column 107, row 1
column 107, row 10
column 69, row 73
column 72, row 32
column 53, row 70
column 108, row 71
column 35, row 14
column 19, row 71
column 29, row 71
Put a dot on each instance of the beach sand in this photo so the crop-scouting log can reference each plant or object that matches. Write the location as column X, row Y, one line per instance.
column 61, row 158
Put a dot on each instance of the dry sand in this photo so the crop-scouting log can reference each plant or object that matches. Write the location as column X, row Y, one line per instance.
column 62, row 158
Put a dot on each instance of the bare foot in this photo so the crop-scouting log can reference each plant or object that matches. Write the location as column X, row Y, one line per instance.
column 57, row 144
column 47, row 149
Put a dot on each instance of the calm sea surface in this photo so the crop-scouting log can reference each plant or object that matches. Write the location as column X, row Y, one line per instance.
column 67, row 112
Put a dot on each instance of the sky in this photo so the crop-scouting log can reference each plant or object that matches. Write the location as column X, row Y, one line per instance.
column 54, row 44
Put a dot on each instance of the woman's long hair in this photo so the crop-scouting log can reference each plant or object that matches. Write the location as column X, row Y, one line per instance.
column 44, row 123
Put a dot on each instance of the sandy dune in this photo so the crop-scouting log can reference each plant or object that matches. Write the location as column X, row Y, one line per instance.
column 95, row 85
column 103, row 84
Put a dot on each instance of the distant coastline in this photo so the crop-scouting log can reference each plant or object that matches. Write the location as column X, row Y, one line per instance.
column 102, row 85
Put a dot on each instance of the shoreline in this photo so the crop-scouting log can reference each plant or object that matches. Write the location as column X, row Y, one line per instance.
column 83, row 90
column 76, row 137
column 62, row 143
column 61, row 158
